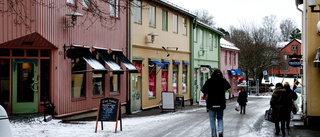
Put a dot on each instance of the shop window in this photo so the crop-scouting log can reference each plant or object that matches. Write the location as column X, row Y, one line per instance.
column 4, row 52
column 18, row 52
column 175, row 83
column 164, row 79
column 152, row 80
column 97, row 84
column 114, row 78
column 4, row 82
column 32, row 53
column 184, row 78
column 78, row 81
column 45, row 79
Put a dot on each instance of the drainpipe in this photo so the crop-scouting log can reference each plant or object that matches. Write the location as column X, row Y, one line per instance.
column 304, row 17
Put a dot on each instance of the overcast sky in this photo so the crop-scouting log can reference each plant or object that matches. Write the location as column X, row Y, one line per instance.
column 234, row 12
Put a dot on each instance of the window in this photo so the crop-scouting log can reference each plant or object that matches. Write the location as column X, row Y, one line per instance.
column 86, row 3
column 195, row 34
column 184, row 78
column 230, row 59
column 97, row 82
column 175, row 23
column 71, row 2
column 152, row 80
column 201, row 38
column 294, row 47
column 286, row 57
column 114, row 8
column 210, row 42
column 152, row 16
column 4, row 80
column 165, row 20
column 215, row 42
column 114, row 78
column 226, row 58
column 164, row 78
column 175, row 79
column 234, row 59
column 184, row 26
column 78, row 81
column 137, row 11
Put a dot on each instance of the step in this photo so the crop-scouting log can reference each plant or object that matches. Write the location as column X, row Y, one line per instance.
column 297, row 123
column 296, row 118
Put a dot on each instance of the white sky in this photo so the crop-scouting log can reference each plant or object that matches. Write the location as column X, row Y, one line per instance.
column 232, row 12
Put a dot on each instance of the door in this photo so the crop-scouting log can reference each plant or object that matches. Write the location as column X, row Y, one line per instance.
column 136, row 92
column 24, row 86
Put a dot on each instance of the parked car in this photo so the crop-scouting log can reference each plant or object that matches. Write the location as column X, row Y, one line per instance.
column 5, row 129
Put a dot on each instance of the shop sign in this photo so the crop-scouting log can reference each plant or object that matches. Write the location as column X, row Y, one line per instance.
column 294, row 63
column 204, row 70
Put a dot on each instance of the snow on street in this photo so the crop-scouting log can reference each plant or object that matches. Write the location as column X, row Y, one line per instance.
column 182, row 123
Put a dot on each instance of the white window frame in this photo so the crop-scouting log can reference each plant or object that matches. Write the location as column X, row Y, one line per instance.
column 137, row 11
column 294, row 47
column 195, row 34
column 210, row 41
column 184, row 26
column 152, row 16
column 114, row 8
column 201, row 38
column 175, row 23
column 86, row 3
column 71, row 1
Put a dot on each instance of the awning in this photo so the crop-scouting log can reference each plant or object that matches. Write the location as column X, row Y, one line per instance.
column 166, row 61
column 233, row 72
column 114, row 66
column 176, row 62
column 159, row 64
column 89, row 58
column 125, row 61
column 239, row 73
column 185, row 62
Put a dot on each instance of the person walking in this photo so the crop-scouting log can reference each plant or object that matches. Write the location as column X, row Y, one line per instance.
column 291, row 96
column 277, row 103
column 242, row 100
column 214, row 91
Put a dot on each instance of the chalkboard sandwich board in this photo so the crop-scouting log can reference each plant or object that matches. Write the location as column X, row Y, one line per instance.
column 109, row 110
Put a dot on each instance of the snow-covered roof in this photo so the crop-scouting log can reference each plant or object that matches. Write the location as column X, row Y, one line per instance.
column 174, row 6
column 285, row 43
column 209, row 27
column 227, row 45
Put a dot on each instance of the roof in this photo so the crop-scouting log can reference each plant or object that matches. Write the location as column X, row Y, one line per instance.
column 210, row 28
column 283, row 44
column 227, row 45
column 176, row 7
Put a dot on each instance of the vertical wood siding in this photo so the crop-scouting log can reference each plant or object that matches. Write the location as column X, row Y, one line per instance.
column 48, row 23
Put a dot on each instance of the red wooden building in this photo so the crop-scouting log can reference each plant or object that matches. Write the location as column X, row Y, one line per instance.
column 287, row 48
column 72, row 67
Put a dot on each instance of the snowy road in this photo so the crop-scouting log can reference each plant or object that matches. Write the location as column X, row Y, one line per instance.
column 186, row 123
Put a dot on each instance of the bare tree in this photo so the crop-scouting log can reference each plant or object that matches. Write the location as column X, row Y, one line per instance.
column 205, row 17
column 286, row 27
column 270, row 30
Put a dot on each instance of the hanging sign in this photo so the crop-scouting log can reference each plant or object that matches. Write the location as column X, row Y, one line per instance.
column 204, row 69
column 109, row 110
column 294, row 63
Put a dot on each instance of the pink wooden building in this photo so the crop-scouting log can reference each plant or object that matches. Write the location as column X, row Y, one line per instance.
column 70, row 67
column 229, row 64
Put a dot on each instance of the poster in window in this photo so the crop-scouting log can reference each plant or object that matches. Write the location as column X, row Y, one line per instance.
column 184, row 85
column 152, row 81
column 137, row 65
column 164, row 80
column 174, row 85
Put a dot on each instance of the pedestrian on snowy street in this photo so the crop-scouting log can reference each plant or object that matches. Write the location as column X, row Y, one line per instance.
column 278, row 105
column 291, row 96
column 214, row 88
column 242, row 100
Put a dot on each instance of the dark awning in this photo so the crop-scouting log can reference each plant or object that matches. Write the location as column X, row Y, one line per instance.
column 88, row 57
column 114, row 66
column 125, row 61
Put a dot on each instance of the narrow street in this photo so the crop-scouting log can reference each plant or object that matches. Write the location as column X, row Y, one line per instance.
column 183, row 123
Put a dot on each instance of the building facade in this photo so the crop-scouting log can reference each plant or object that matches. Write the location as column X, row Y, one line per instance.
column 288, row 48
column 206, row 53
column 161, row 33
column 229, row 65
column 63, row 57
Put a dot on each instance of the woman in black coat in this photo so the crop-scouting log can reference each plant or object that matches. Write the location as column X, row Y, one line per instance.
column 291, row 96
column 242, row 100
column 278, row 105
